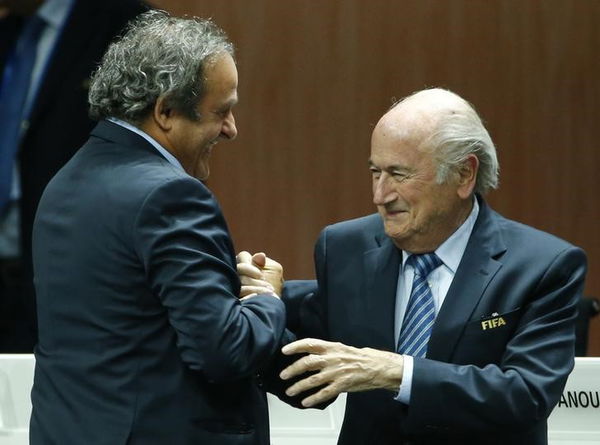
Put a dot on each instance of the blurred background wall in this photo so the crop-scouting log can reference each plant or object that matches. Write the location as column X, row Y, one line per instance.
column 316, row 75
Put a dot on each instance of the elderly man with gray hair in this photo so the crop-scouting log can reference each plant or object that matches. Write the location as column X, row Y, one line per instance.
column 142, row 336
column 445, row 322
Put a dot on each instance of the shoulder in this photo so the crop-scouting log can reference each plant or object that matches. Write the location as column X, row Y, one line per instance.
column 370, row 224
column 522, row 236
column 175, row 189
column 121, row 170
column 125, row 161
column 355, row 232
column 528, row 248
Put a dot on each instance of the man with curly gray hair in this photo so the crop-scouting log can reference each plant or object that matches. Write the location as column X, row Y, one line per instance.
column 142, row 336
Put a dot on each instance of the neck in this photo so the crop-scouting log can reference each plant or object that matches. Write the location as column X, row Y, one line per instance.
column 434, row 237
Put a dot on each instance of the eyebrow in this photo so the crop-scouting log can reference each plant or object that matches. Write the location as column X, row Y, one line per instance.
column 229, row 104
column 390, row 167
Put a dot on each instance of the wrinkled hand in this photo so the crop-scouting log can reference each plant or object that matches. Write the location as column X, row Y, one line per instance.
column 259, row 274
column 341, row 368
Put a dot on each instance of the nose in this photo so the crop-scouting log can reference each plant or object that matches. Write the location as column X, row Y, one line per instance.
column 229, row 130
column 383, row 193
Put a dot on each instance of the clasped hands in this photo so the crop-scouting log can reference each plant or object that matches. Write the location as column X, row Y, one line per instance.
column 334, row 367
column 259, row 274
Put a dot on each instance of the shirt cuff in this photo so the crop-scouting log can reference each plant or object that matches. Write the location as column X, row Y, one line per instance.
column 406, row 385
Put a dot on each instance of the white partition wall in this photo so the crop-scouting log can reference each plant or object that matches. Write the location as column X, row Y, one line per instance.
column 16, row 377
column 292, row 426
column 575, row 421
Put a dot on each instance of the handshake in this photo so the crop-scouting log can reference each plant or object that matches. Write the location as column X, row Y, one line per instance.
column 324, row 369
column 259, row 274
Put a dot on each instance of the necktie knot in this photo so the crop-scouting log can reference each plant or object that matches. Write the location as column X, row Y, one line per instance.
column 425, row 263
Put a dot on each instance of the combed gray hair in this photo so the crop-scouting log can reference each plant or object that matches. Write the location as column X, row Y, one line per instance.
column 158, row 55
column 458, row 133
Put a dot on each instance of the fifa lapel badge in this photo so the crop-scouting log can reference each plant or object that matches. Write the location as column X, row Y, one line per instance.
column 492, row 323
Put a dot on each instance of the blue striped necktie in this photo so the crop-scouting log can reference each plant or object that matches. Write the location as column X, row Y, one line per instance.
column 420, row 312
column 15, row 84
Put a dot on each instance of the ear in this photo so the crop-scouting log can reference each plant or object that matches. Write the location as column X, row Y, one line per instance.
column 162, row 114
column 467, row 176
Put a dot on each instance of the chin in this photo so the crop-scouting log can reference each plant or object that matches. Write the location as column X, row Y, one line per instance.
column 397, row 232
column 394, row 232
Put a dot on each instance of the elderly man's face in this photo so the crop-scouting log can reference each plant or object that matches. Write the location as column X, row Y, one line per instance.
column 192, row 140
column 417, row 212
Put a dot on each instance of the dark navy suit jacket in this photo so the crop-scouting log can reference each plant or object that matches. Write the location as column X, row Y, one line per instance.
column 142, row 337
column 479, row 383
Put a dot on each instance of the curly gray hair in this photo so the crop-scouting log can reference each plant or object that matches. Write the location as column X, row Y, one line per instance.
column 458, row 133
column 158, row 55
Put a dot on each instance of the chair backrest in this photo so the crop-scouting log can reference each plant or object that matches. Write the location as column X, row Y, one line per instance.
column 587, row 308
column 576, row 419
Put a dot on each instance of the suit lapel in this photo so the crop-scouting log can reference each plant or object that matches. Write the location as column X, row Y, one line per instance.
column 381, row 276
column 475, row 271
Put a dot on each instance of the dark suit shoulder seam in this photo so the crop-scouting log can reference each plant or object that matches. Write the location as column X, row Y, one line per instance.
column 554, row 261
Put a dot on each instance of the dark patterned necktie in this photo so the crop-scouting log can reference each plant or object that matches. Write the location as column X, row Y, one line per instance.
column 420, row 312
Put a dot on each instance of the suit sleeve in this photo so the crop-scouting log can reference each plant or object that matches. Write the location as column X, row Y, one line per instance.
column 303, row 320
column 295, row 295
column 305, row 300
column 526, row 384
column 185, row 248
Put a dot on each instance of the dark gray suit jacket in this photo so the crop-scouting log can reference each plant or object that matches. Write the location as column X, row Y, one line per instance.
column 495, row 385
column 142, row 337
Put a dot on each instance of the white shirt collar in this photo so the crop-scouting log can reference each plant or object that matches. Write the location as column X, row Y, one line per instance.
column 163, row 151
column 452, row 250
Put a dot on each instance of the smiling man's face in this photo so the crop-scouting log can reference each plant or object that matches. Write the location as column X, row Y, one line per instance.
column 418, row 211
column 191, row 141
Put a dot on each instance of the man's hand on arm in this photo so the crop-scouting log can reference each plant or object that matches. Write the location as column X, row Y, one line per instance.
column 259, row 274
column 340, row 368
